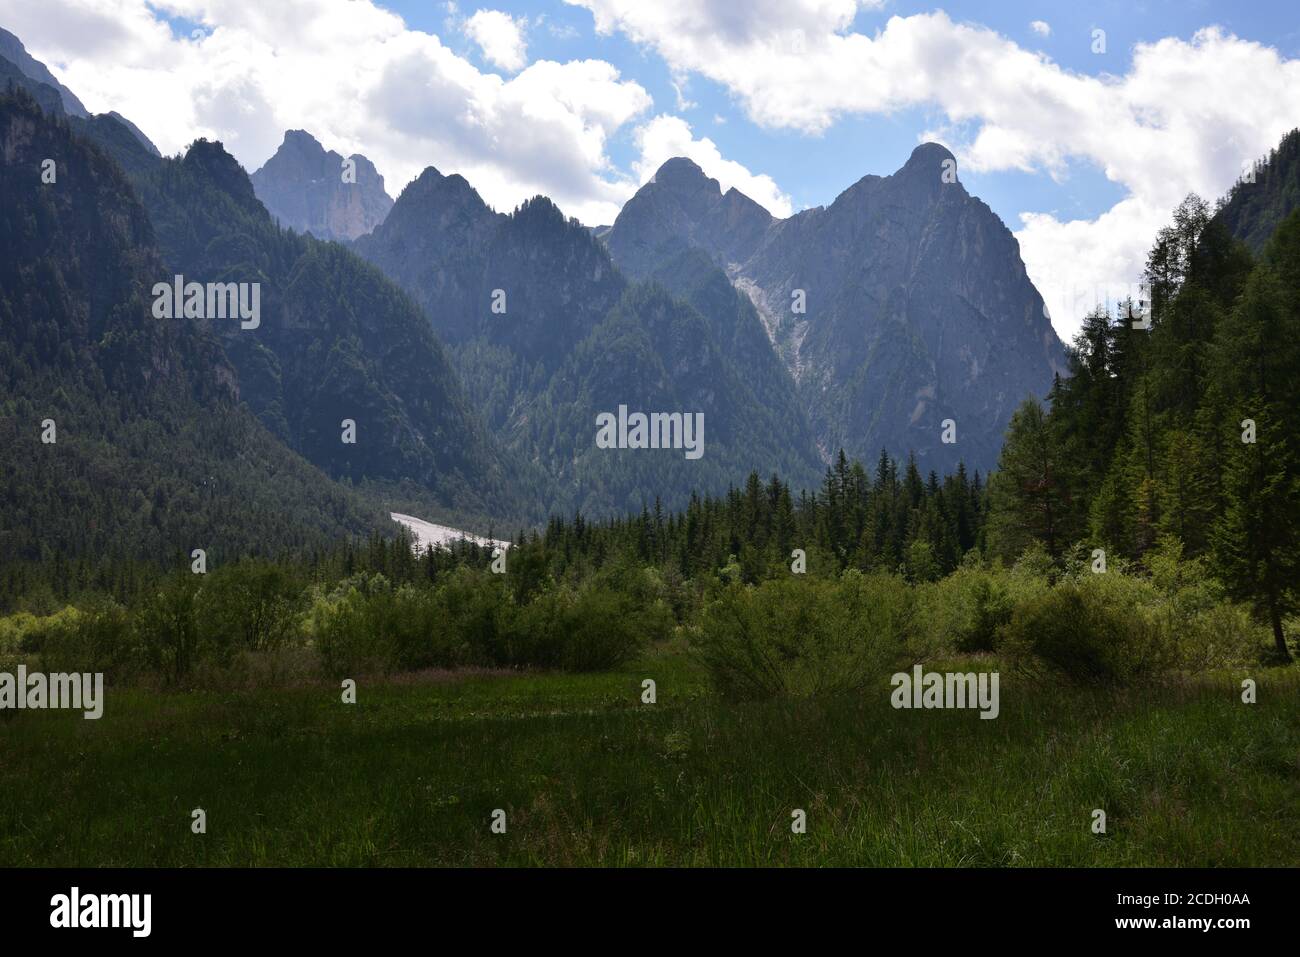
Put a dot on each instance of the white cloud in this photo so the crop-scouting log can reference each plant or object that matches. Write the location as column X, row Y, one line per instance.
column 667, row 136
column 1184, row 118
column 1041, row 27
column 500, row 37
column 679, row 85
column 352, row 74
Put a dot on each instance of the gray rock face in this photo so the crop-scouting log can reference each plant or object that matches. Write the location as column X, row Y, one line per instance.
column 303, row 187
column 918, row 307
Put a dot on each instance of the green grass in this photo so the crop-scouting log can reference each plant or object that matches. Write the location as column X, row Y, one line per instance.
column 1187, row 774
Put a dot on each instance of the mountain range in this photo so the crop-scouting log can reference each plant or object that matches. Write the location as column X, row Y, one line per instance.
column 573, row 338
column 900, row 306
column 473, row 350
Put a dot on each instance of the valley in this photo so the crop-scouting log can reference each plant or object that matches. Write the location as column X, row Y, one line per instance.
column 384, row 528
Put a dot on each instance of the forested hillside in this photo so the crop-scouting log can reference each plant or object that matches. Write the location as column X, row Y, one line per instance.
column 1265, row 195
column 336, row 341
column 123, row 436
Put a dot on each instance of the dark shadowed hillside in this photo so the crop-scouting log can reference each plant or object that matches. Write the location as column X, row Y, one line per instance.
column 147, row 451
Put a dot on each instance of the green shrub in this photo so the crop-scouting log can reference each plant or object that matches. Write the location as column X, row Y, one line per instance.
column 1221, row 636
column 1100, row 630
column 479, row 611
column 251, row 605
column 372, row 627
column 965, row 612
column 25, row 634
column 990, row 612
column 421, row 634
column 588, row 629
column 167, row 627
column 607, row 628
column 99, row 638
column 472, row 618
column 1207, row 627
column 797, row 637
column 345, row 638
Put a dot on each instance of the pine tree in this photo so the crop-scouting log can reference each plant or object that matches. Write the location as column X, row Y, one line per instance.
column 1030, row 495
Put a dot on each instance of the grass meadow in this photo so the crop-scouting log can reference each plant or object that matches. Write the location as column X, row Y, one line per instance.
column 588, row 774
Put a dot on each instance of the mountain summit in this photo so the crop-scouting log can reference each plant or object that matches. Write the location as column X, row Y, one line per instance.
column 314, row 191
column 902, row 305
column 548, row 335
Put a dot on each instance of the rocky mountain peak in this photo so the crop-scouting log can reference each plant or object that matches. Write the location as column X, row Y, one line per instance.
column 311, row 189
column 928, row 171
column 684, row 174
column 915, row 304
column 926, row 158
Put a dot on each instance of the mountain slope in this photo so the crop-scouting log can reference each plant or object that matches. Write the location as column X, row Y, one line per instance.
column 918, row 309
column 152, row 455
column 336, row 340
column 12, row 49
column 572, row 338
column 113, row 134
column 17, row 66
column 46, row 96
column 310, row 190
column 1253, row 211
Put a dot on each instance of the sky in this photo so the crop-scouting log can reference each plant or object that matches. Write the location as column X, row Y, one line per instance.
column 1081, row 125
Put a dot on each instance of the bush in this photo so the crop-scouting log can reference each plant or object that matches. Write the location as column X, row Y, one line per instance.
column 607, row 628
column 1208, row 629
column 99, row 638
column 797, row 637
column 250, row 606
column 965, row 612
column 478, row 614
column 1100, row 630
column 167, row 627
column 370, row 627
column 472, row 619
column 342, row 629
column 24, row 633
column 588, row 629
